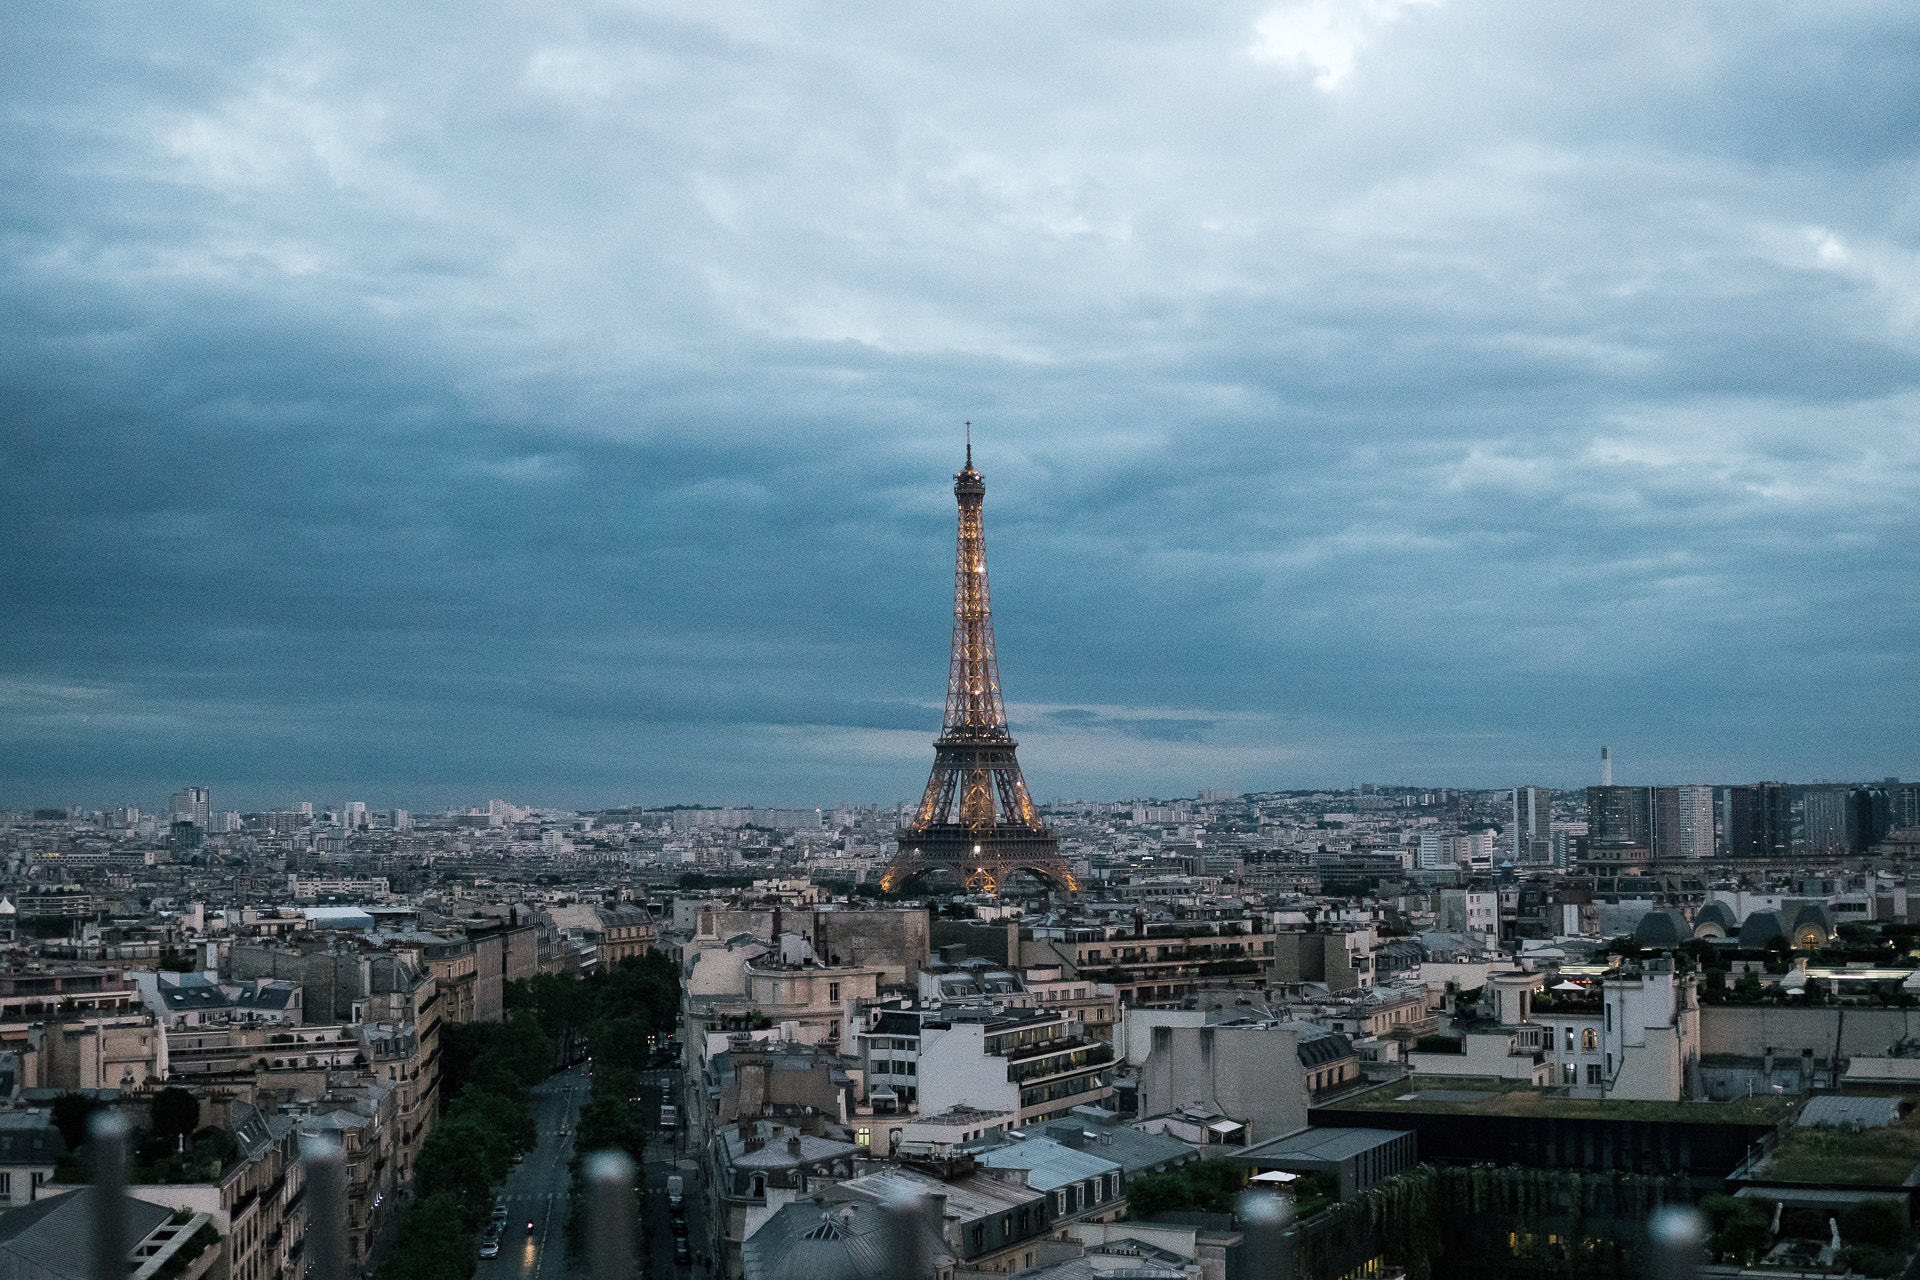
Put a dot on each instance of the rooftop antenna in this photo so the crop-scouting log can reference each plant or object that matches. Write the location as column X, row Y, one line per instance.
column 969, row 444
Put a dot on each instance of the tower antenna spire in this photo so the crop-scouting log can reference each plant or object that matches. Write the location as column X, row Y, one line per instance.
column 969, row 444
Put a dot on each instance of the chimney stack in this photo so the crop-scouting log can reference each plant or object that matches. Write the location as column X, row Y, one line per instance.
column 1606, row 768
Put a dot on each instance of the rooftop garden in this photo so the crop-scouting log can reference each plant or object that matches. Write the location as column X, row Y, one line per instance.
column 1872, row 992
column 1568, row 1003
column 1507, row 1098
column 1826, row 1153
column 174, row 1150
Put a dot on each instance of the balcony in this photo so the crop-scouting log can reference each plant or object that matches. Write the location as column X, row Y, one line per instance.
column 1060, row 1044
column 1091, row 1056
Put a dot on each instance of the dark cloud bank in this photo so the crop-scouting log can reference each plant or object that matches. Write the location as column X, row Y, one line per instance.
column 562, row 403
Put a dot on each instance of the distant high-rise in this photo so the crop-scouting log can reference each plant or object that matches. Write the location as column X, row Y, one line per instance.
column 1532, row 824
column 192, row 804
column 1903, row 802
column 1869, row 818
column 1760, row 821
column 1823, row 813
column 1619, row 826
column 1682, row 822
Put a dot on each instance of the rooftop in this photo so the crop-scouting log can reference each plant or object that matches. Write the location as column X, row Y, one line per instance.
column 1885, row 1155
column 1491, row 1097
column 1320, row 1144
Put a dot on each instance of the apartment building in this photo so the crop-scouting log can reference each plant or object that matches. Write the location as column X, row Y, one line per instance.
column 257, row 1203
column 1156, row 964
column 1036, row 1063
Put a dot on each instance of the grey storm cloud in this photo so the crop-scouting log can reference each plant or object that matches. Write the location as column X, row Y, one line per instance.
column 563, row 399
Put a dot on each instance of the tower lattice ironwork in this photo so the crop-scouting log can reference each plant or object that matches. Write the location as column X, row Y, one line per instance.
column 976, row 819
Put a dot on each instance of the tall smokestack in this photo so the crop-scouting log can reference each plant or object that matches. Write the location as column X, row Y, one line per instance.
column 1606, row 768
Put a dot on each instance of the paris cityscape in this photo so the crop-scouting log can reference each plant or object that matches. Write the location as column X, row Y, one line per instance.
column 480, row 795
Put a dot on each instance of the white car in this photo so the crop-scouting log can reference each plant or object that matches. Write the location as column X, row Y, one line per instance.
column 491, row 1247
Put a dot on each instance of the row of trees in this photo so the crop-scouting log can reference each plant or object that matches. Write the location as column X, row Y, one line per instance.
column 624, row 1013
column 486, row 1071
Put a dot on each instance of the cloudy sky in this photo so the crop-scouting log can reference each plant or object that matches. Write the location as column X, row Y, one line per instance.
column 417, row 403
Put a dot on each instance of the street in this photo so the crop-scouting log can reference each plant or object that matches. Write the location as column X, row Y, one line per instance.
column 538, row 1190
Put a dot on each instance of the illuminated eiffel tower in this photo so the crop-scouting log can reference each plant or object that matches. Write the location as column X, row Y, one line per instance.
column 976, row 819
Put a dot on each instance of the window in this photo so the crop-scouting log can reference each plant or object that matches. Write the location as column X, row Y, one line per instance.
column 863, row 1136
column 1569, row 1074
column 1006, row 1226
column 759, row 1184
column 1609, row 1064
column 1060, row 1204
column 1569, row 1039
column 833, row 991
column 1589, row 1041
column 1609, row 1017
column 6, row 1184
column 1593, row 1073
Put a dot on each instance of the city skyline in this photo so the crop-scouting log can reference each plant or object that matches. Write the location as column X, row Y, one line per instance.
column 573, row 422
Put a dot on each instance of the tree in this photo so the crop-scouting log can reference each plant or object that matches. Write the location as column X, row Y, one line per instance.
column 176, row 1113
column 1874, row 1222
column 462, row 1159
column 1742, row 1228
column 503, row 1114
column 433, row 1243
column 71, row 1114
column 1208, row 1186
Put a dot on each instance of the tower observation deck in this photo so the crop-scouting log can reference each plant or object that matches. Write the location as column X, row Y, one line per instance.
column 976, row 819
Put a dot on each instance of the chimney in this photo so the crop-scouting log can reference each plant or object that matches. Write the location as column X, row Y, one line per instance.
column 1606, row 768
column 793, row 1146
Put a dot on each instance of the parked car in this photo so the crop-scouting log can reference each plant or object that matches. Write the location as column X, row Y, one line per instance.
column 491, row 1247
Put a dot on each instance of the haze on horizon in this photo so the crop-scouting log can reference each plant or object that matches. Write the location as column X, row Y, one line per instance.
column 426, row 403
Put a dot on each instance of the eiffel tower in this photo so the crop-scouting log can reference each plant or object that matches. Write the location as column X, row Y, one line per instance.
column 976, row 819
